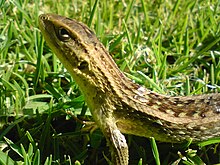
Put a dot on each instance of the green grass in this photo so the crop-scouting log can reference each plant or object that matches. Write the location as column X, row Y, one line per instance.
column 172, row 47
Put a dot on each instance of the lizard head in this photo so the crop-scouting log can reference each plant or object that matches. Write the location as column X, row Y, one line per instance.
column 81, row 53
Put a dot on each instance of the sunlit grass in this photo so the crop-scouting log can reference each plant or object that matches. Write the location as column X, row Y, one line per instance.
column 171, row 47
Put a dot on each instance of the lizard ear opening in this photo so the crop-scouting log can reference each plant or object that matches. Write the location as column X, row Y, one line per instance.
column 83, row 65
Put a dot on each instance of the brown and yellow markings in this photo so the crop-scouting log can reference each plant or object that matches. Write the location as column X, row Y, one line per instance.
column 117, row 104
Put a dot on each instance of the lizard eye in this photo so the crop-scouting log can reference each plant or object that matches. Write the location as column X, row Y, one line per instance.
column 63, row 34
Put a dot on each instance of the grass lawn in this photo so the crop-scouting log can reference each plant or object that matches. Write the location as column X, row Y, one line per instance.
column 171, row 47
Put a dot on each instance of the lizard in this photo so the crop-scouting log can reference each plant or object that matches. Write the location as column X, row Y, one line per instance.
column 117, row 104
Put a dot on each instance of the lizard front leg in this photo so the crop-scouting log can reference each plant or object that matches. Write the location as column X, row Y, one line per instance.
column 117, row 143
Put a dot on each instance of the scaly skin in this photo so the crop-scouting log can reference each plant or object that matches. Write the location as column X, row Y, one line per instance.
column 117, row 104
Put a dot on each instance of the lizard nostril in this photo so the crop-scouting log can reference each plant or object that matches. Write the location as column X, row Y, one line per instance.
column 43, row 17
